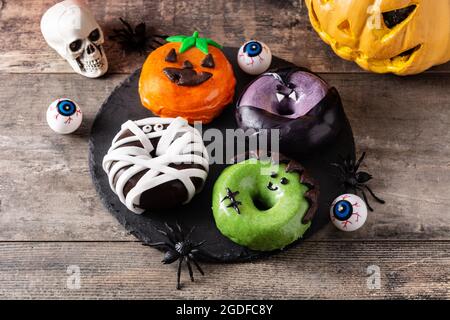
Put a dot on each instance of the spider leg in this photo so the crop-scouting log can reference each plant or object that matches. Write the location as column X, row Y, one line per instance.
column 163, row 245
column 189, row 233
column 157, row 42
column 365, row 198
column 160, row 36
column 191, row 273
column 341, row 169
column 169, row 236
column 168, row 227
column 179, row 273
column 127, row 25
column 360, row 160
column 374, row 196
column 199, row 244
column 192, row 258
column 180, row 231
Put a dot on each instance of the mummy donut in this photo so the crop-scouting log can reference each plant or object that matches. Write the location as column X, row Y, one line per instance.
column 156, row 163
column 348, row 212
column 64, row 116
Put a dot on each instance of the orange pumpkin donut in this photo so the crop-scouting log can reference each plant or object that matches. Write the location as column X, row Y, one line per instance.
column 188, row 77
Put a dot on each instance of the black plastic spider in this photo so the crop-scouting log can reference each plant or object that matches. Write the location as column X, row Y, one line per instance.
column 137, row 39
column 179, row 247
column 355, row 180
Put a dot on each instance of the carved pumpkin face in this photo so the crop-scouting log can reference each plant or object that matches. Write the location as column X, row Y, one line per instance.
column 399, row 36
column 193, row 81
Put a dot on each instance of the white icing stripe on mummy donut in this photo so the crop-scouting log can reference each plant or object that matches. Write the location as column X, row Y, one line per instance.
column 178, row 143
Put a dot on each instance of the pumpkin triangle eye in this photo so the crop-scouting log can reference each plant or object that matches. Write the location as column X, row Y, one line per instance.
column 395, row 17
column 208, row 62
column 171, row 56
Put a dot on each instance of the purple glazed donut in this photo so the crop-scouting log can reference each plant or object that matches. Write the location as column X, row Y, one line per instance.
column 306, row 110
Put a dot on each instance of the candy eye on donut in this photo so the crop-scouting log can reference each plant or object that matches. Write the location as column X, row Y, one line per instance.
column 284, row 181
column 273, row 175
column 158, row 127
column 147, row 128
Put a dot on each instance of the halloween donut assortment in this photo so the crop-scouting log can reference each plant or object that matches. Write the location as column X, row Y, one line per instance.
column 158, row 163
column 262, row 204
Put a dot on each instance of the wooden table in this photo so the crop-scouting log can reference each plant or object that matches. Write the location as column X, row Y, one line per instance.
column 51, row 217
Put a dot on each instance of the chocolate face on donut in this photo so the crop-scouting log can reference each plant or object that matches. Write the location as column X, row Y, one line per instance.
column 188, row 77
column 156, row 163
column 300, row 104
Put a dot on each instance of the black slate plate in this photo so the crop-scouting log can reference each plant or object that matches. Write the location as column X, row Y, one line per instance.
column 124, row 104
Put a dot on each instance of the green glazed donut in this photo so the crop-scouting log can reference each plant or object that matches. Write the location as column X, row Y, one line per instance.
column 263, row 205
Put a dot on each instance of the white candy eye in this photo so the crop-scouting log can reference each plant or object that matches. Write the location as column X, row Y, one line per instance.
column 147, row 128
column 348, row 212
column 158, row 127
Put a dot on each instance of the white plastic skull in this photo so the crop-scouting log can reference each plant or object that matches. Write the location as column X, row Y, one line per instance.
column 70, row 28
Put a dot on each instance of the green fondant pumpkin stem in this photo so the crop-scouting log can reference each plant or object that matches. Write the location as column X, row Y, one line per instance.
column 194, row 40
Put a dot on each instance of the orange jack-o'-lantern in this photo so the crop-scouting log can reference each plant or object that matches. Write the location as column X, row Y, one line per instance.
column 188, row 77
column 399, row 36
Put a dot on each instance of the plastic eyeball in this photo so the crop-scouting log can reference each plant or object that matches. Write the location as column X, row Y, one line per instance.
column 254, row 57
column 348, row 212
column 64, row 116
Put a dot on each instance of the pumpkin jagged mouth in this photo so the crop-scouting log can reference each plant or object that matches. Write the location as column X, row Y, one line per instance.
column 406, row 55
column 186, row 77
column 397, row 62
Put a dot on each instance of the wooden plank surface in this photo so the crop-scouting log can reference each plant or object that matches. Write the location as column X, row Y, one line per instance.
column 50, row 216
column 332, row 270
column 283, row 25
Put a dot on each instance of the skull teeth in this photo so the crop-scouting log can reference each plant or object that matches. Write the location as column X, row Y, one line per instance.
column 93, row 65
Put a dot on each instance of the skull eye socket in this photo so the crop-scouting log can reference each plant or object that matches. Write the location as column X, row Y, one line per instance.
column 395, row 17
column 94, row 35
column 75, row 45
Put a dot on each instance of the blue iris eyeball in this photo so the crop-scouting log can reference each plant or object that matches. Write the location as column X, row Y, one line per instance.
column 64, row 116
column 348, row 212
column 66, row 108
column 342, row 210
column 254, row 57
column 253, row 48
